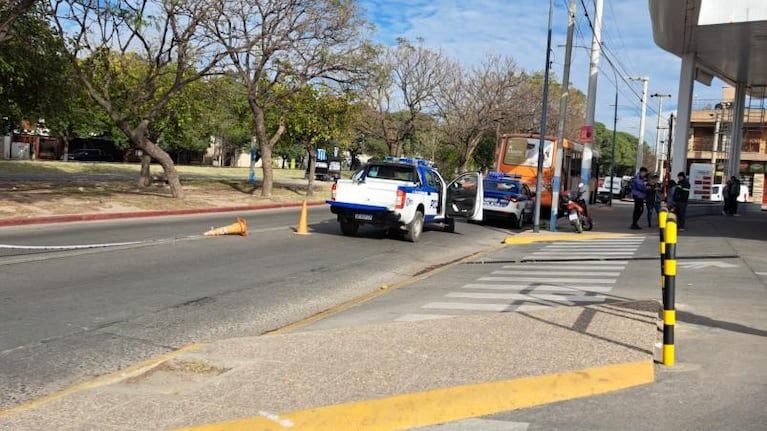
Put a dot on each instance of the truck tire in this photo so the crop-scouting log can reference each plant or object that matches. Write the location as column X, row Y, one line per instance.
column 415, row 227
column 349, row 228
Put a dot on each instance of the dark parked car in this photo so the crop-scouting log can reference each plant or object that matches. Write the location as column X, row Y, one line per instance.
column 89, row 155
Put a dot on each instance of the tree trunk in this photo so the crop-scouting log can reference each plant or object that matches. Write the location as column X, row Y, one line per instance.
column 145, row 177
column 312, row 169
column 468, row 151
column 65, row 138
column 138, row 137
column 266, row 167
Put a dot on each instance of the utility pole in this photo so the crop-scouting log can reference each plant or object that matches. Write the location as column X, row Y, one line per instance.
column 658, row 150
column 591, row 97
column 539, row 173
column 615, row 125
column 640, row 144
column 555, row 186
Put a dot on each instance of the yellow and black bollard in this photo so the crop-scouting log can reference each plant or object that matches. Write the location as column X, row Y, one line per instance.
column 662, row 219
column 669, row 285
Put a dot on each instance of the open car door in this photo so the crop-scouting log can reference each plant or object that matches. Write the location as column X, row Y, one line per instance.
column 465, row 196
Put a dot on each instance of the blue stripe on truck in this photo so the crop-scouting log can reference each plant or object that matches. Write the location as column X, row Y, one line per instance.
column 358, row 207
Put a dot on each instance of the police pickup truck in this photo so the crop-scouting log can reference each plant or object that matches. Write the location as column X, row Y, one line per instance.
column 402, row 194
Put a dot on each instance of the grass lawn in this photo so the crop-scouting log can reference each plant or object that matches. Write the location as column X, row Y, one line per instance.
column 75, row 188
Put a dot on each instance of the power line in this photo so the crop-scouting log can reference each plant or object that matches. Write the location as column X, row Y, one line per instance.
column 609, row 60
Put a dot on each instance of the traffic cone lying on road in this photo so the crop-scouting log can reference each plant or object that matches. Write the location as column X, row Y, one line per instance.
column 240, row 227
column 302, row 228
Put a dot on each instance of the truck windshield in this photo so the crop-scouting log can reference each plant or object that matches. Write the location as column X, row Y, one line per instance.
column 392, row 172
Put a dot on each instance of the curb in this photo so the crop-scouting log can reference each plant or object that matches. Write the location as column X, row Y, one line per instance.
column 450, row 404
column 548, row 237
column 146, row 214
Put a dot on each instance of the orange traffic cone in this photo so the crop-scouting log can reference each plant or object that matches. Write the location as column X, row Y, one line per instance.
column 302, row 228
column 240, row 227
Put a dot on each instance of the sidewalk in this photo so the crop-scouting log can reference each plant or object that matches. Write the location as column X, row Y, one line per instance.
column 382, row 377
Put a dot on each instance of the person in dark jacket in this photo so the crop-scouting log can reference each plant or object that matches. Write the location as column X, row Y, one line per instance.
column 639, row 193
column 734, row 195
column 681, row 196
column 654, row 197
column 671, row 189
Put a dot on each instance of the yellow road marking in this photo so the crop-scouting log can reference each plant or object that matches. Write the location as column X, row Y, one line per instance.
column 133, row 370
column 548, row 237
column 449, row 404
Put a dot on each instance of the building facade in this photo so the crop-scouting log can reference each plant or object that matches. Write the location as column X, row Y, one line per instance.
column 710, row 137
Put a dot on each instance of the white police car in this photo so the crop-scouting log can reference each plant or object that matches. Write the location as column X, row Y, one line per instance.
column 507, row 197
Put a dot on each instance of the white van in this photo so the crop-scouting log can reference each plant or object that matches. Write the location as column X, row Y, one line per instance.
column 717, row 193
column 603, row 191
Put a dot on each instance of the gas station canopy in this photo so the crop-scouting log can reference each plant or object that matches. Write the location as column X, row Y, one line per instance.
column 727, row 37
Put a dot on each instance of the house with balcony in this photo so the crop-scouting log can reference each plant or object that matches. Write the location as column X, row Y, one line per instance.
column 710, row 139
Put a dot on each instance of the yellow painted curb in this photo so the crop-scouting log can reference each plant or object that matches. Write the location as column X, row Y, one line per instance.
column 450, row 404
column 548, row 237
column 107, row 379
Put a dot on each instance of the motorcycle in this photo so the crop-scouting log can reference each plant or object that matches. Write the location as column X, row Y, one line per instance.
column 578, row 212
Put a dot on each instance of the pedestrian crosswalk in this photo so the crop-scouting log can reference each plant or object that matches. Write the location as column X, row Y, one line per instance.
column 557, row 274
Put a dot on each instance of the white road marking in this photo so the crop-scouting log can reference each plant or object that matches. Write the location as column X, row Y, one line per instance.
column 549, row 280
column 555, row 273
column 421, row 317
column 761, row 273
column 538, row 287
column 526, row 297
column 585, row 252
column 701, row 264
column 466, row 306
column 285, row 423
column 603, row 266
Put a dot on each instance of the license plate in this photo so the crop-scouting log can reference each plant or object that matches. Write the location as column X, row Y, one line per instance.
column 367, row 217
column 573, row 216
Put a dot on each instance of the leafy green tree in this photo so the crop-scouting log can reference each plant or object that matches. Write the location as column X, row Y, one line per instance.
column 133, row 62
column 625, row 151
column 278, row 47
column 315, row 117
column 10, row 12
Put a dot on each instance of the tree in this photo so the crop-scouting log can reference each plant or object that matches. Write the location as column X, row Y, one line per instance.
column 314, row 116
column 474, row 102
column 133, row 57
column 625, row 150
column 10, row 12
column 402, row 84
column 278, row 46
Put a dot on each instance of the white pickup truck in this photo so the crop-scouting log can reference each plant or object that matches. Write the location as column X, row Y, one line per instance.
column 402, row 194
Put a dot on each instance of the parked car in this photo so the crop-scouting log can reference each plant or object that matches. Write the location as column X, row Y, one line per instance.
column 603, row 191
column 507, row 197
column 89, row 155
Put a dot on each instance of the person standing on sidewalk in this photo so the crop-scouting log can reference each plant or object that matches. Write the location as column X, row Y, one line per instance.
column 727, row 194
column 654, row 194
column 671, row 185
column 639, row 193
column 681, row 196
column 734, row 195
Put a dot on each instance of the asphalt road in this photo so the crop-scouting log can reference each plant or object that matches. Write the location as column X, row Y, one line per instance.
column 67, row 314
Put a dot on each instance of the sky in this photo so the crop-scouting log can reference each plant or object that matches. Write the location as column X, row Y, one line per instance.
column 471, row 30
